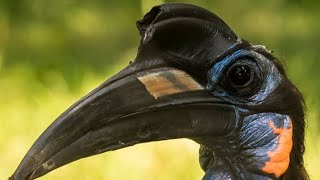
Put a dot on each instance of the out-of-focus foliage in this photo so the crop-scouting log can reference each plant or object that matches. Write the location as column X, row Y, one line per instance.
column 54, row 52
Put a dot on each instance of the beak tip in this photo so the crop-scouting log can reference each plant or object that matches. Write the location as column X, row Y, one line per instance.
column 14, row 176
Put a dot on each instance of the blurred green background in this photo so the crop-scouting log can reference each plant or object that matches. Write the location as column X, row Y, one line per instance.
column 53, row 52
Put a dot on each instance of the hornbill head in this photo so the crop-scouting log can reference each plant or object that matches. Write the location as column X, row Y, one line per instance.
column 194, row 78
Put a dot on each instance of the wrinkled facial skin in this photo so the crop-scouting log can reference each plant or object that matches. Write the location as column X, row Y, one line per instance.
column 194, row 78
column 261, row 142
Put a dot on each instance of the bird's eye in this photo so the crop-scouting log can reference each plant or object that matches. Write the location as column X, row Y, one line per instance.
column 240, row 75
column 242, row 78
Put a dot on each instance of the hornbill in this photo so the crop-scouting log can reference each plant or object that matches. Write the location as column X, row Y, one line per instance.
column 193, row 77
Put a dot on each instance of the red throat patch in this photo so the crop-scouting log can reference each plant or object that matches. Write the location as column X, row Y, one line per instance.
column 280, row 157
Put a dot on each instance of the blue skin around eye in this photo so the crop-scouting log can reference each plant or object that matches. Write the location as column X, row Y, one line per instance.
column 255, row 135
column 271, row 80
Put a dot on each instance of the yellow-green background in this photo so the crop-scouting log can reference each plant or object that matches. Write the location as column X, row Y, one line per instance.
column 52, row 52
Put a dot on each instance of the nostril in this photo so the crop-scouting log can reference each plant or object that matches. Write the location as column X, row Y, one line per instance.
column 148, row 19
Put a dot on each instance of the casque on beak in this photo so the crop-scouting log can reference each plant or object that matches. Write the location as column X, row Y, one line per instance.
column 150, row 100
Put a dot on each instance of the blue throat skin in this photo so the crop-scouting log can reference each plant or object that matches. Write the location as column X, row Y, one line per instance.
column 257, row 146
column 193, row 77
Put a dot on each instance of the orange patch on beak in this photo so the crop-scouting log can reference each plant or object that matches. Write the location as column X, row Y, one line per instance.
column 169, row 82
column 280, row 157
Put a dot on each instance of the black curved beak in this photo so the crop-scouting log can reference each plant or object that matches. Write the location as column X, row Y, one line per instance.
column 152, row 105
column 142, row 103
